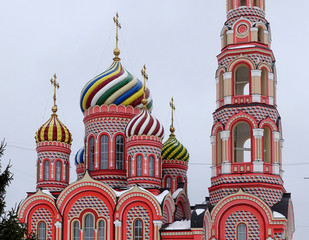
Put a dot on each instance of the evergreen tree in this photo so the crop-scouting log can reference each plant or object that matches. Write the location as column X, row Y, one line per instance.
column 10, row 227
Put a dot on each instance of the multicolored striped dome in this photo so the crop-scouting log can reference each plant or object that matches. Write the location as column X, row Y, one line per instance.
column 114, row 86
column 144, row 124
column 79, row 157
column 53, row 130
column 173, row 150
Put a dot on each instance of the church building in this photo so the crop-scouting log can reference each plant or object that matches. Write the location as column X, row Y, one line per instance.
column 131, row 185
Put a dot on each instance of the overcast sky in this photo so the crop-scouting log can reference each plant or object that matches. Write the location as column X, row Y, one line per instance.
column 178, row 41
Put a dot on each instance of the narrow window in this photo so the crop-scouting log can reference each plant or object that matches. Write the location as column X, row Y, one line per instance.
column 138, row 229
column 267, row 145
column 257, row 3
column 104, row 152
column 67, row 168
column 242, row 232
column 42, row 231
column 151, row 166
column 242, row 3
column 76, row 232
column 224, row 39
column 242, row 81
column 179, row 180
column 91, row 153
column 221, row 87
column 168, row 182
column 101, row 230
column 119, row 152
column 130, row 166
column 242, row 142
column 230, row 4
column 46, row 170
column 139, row 165
column 264, row 82
column 219, row 148
column 260, row 34
column 38, row 171
column 89, row 228
column 58, row 171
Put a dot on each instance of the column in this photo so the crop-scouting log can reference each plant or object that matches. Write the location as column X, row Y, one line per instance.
column 271, row 88
column 276, row 153
column 229, row 37
column 213, row 147
column 157, row 225
column 227, row 79
column 58, row 226
column 117, row 224
column 258, row 150
column 254, row 34
column 226, row 163
column 256, row 85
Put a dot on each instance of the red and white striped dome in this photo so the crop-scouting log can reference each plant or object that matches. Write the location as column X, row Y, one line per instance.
column 144, row 124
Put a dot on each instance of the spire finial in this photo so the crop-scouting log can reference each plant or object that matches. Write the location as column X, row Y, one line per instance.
column 172, row 129
column 56, row 85
column 145, row 75
column 118, row 26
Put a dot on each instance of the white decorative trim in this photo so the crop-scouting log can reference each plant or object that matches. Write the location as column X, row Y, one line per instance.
column 157, row 223
column 230, row 32
column 228, row 100
column 276, row 136
column 217, row 104
column 258, row 166
column 281, row 143
column 256, row 73
column 276, row 168
column 256, row 98
column 270, row 76
column 227, row 75
column 265, row 31
column 258, row 133
column 58, row 224
column 226, row 168
column 117, row 223
column 217, row 80
column 271, row 100
column 212, row 140
column 225, row 135
column 254, row 29
column 213, row 171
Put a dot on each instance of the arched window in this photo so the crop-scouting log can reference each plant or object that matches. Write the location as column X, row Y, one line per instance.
column 101, row 230
column 58, row 171
column 221, row 86
column 264, row 82
column 130, row 166
column 267, row 145
column 104, row 152
column 261, row 34
column 42, row 231
column 139, row 165
column 242, row 142
column 89, row 227
column 67, row 168
column 138, row 229
column 242, row 3
column 257, row 3
column 119, row 152
column 230, row 4
column 168, row 182
column 219, row 148
column 91, row 153
column 179, row 180
column 76, row 231
column 242, row 76
column 151, row 166
column 46, row 170
column 242, row 232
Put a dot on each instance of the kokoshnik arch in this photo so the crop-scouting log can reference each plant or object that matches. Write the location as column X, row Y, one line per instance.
column 130, row 185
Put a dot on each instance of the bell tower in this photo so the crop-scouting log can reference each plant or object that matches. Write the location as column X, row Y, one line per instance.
column 246, row 136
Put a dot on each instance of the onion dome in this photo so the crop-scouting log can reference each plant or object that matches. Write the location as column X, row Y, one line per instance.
column 114, row 86
column 53, row 130
column 173, row 150
column 144, row 124
column 79, row 157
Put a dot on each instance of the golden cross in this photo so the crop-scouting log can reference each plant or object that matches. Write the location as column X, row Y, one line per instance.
column 118, row 26
column 172, row 129
column 56, row 85
column 145, row 75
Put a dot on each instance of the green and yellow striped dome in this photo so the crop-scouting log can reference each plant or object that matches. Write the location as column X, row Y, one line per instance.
column 173, row 150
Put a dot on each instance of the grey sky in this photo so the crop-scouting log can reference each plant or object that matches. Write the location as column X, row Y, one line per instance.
column 178, row 41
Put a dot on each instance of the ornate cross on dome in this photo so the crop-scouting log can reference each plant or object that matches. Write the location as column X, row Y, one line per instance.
column 145, row 75
column 56, row 85
column 173, row 108
column 118, row 26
